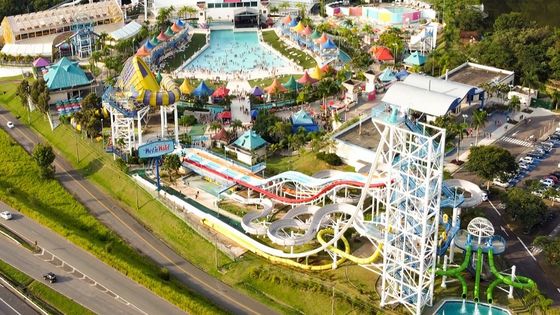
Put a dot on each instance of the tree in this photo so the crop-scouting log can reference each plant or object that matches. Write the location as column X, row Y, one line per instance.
column 215, row 126
column 23, row 92
column 171, row 164
column 511, row 21
column 525, row 208
column 262, row 125
column 479, row 118
column 459, row 130
column 279, row 130
column 490, row 162
column 187, row 120
column 514, row 104
column 470, row 19
column 235, row 125
column 551, row 248
column 91, row 102
column 392, row 40
column 537, row 301
column 44, row 157
column 163, row 16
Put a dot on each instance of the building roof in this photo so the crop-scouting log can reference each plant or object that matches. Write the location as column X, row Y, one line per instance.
column 221, row 135
column 40, row 62
column 302, row 118
column 250, row 141
column 44, row 50
column 477, row 75
column 415, row 59
column 453, row 89
column 65, row 74
column 419, row 99
column 64, row 16
column 127, row 31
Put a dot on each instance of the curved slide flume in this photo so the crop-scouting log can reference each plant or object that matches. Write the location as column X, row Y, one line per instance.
column 519, row 282
column 357, row 260
column 456, row 272
column 144, row 85
column 478, row 271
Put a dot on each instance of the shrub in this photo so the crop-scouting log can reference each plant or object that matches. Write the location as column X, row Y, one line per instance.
column 330, row 158
column 164, row 273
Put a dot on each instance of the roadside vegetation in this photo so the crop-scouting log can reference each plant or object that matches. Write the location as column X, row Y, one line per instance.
column 45, row 297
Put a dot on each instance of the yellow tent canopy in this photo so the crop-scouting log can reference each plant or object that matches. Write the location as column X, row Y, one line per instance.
column 299, row 27
column 186, row 87
column 316, row 73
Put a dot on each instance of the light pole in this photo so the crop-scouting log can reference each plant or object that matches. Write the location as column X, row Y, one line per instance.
column 102, row 135
column 465, row 116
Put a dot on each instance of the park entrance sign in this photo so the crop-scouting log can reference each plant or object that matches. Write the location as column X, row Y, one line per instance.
column 155, row 150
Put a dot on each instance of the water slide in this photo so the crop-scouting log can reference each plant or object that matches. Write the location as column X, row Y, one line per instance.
column 519, row 282
column 456, row 272
column 357, row 260
column 478, row 271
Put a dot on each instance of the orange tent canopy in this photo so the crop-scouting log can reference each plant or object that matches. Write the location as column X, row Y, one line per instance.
column 287, row 19
column 323, row 39
column 142, row 52
column 275, row 87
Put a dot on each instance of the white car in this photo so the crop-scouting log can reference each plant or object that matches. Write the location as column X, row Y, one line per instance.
column 547, row 182
column 6, row 215
column 484, row 196
column 497, row 182
column 10, row 124
column 527, row 160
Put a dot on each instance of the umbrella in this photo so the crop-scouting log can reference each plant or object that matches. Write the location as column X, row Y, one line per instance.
column 286, row 20
column 186, row 87
column 202, row 90
column 275, row 87
column 142, row 52
column 40, row 62
column 257, row 91
column 221, row 92
column 292, row 84
column 306, row 31
column 316, row 73
column 169, row 32
column 299, row 27
column 306, row 79
column 315, row 34
column 162, row 37
column 328, row 44
column 322, row 39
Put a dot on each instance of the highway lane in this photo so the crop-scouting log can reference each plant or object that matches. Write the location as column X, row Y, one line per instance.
column 111, row 213
column 81, row 276
column 11, row 304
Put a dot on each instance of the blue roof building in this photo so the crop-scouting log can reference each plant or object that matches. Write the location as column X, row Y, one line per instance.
column 415, row 59
column 304, row 120
column 66, row 74
column 250, row 147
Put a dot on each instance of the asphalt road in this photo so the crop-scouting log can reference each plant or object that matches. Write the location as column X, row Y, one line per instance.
column 110, row 212
column 11, row 304
column 80, row 276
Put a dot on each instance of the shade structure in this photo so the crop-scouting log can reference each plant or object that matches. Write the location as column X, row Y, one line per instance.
column 221, row 92
column 40, row 62
column 186, row 87
column 326, row 68
column 180, row 23
column 286, row 20
column 292, row 84
column 298, row 28
column 154, row 41
column 323, row 39
column 169, row 32
column 382, row 53
column 387, row 75
column 306, row 79
column 328, row 45
column 415, row 59
column 316, row 73
column 158, row 77
column 401, row 75
column 275, row 87
column 149, row 45
column 257, row 91
column 162, row 37
column 175, row 28
column 306, row 31
column 315, row 34
column 224, row 115
column 293, row 23
column 202, row 90
column 142, row 51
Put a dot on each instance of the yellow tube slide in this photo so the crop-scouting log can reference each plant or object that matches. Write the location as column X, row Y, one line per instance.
column 346, row 254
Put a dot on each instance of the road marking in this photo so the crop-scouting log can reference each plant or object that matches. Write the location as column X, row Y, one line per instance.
column 192, row 276
column 495, row 209
column 517, row 142
column 528, row 251
column 504, row 230
column 13, row 309
column 558, row 290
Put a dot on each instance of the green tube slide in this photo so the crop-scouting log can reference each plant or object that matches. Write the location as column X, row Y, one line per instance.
column 456, row 272
column 477, row 274
column 519, row 282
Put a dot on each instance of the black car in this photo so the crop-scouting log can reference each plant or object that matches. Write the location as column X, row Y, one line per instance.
column 50, row 277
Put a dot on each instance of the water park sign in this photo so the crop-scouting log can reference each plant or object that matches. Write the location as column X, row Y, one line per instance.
column 156, row 148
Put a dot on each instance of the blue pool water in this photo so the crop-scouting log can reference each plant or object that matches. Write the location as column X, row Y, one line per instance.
column 469, row 308
column 235, row 52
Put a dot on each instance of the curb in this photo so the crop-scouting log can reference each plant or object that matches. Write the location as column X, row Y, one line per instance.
column 12, row 289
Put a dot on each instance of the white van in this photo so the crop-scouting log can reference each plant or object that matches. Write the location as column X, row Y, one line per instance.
column 527, row 160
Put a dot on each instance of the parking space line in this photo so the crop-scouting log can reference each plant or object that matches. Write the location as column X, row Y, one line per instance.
column 527, row 249
column 495, row 209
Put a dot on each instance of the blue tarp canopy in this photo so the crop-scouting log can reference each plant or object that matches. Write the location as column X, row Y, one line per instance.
column 415, row 59
column 329, row 44
column 202, row 90
column 304, row 120
column 401, row 74
column 387, row 75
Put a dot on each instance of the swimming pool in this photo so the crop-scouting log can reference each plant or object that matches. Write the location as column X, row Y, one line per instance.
column 232, row 52
column 456, row 307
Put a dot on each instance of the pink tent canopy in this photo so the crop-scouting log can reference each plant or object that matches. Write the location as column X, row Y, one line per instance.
column 162, row 37
column 306, row 79
column 222, row 91
column 41, row 62
column 306, row 31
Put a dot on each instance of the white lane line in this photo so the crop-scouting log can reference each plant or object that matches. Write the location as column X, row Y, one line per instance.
column 557, row 289
column 13, row 309
column 495, row 209
column 528, row 251
column 504, row 230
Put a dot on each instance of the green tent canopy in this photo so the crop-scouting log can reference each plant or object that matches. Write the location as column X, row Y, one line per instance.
column 292, row 84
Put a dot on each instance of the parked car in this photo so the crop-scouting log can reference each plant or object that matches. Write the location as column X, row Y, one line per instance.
column 527, row 160
column 6, row 215
column 50, row 277
column 547, row 182
column 524, row 166
column 545, row 148
column 498, row 183
column 554, row 178
column 10, row 124
column 535, row 155
column 484, row 196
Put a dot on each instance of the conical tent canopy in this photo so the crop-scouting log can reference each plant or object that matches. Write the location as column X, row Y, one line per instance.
column 387, row 75
column 40, row 62
column 275, row 87
column 222, row 91
column 286, row 20
column 186, row 87
column 316, row 73
column 162, row 37
column 257, row 91
column 299, row 27
column 149, row 45
column 329, row 44
column 202, row 90
column 293, row 23
column 323, row 39
column 158, row 77
column 415, row 59
column 315, row 34
column 175, row 28
column 142, row 51
column 306, row 31
column 180, row 23
column 292, row 84
column 325, row 68
column 154, row 41
column 306, row 79
column 382, row 54
column 169, row 32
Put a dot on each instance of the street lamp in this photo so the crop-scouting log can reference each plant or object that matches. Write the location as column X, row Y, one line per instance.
column 465, row 116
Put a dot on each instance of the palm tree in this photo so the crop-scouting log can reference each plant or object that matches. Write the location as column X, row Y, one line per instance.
column 514, row 104
column 479, row 118
column 279, row 130
column 459, row 130
column 215, row 126
column 236, row 124
column 284, row 6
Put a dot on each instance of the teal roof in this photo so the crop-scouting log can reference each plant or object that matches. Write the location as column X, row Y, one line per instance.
column 387, row 75
column 250, row 141
column 415, row 59
column 65, row 74
column 302, row 118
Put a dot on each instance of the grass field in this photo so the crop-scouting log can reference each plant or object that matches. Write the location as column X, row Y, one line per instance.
column 299, row 57
column 306, row 163
column 42, row 295
column 100, row 168
column 197, row 41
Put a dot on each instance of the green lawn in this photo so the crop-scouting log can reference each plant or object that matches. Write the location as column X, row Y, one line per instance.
column 306, row 163
column 100, row 168
column 197, row 41
column 41, row 294
column 267, row 81
column 299, row 57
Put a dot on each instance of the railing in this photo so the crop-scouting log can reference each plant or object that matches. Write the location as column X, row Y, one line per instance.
column 274, row 104
column 252, row 168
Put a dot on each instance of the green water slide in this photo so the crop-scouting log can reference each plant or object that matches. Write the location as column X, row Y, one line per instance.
column 519, row 282
column 478, row 271
column 456, row 272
